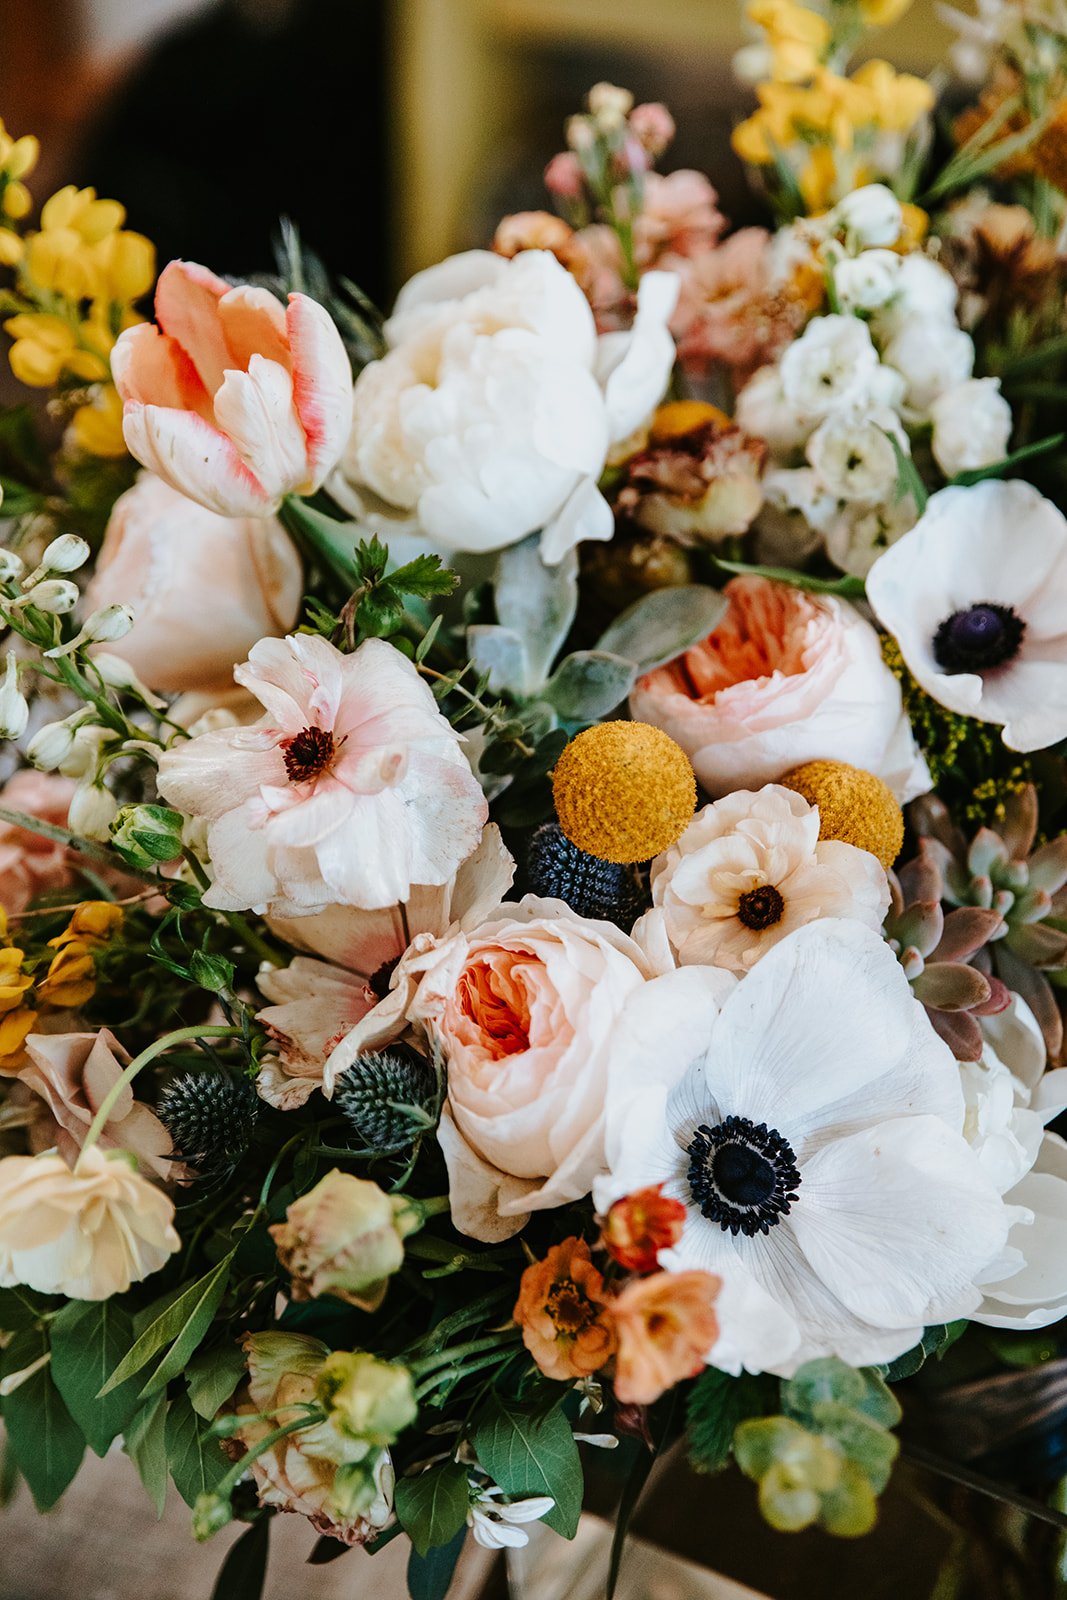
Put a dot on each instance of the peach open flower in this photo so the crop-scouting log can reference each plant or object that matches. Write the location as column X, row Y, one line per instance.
column 563, row 1313
column 31, row 865
column 665, row 1326
column 786, row 677
column 233, row 399
column 351, row 788
column 203, row 588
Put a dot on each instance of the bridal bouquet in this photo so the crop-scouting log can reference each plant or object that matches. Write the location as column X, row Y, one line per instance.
column 533, row 860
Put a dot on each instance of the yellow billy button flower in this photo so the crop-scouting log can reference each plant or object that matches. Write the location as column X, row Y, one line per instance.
column 365, row 1398
column 854, row 806
column 624, row 791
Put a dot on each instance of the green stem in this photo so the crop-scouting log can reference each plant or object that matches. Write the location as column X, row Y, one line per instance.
column 453, row 1375
column 110, row 1100
column 457, row 1352
column 84, row 847
column 226, row 1485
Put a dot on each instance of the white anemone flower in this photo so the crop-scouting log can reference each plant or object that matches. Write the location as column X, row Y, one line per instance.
column 813, row 1132
column 976, row 597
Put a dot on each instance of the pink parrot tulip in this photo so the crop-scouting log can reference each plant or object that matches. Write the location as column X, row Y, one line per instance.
column 232, row 398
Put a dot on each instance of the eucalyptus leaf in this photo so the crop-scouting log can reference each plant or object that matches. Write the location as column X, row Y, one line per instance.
column 48, row 1444
column 532, row 1453
column 502, row 654
column 536, row 602
column 662, row 624
column 589, row 684
column 89, row 1339
column 196, row 1462
column 433, row 1506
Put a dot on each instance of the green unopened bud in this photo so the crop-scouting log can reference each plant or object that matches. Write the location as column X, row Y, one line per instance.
column 211, row 1513
column 147, row 835
column 367, row 1399
column 344, row 1238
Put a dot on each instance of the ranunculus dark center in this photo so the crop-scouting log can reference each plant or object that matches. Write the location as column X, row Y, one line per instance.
column 742, row 1175
column 308, row 754
column 977, row 639
column 761, row 908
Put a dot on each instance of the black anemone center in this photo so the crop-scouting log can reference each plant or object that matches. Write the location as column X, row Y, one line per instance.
column 308, row 754
column 976, row 640
column 761, row 908
column 743, row 1175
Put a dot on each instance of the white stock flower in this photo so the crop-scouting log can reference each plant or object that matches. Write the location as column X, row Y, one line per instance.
column 976, row 597
column 833, row 363
column 764, row 411
column 851, row 452
column 866, row 281
column 858, row 534
column 932, row 355
column 972, row 426
column 494, row 409
column 750, row 869
column 869, row 216
column 831, row 1189
column 923, row 289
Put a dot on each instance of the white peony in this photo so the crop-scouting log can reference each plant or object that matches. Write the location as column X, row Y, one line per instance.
column 851, row 452
column 972, row 426
column 976, row 597
column 494, row 409
column 829, row 1187
column 932, row 356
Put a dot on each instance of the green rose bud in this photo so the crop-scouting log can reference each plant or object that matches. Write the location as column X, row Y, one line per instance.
column 366, row 1398
column 147, row 835
column 211, row 1513
column 345, row 1238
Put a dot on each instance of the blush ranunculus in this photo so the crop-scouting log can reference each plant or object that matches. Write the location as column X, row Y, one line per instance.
column 232, row 398
column 786, row 677
column 30, row 864
column 203, row 588
column 528, row 1010
column 351, row 787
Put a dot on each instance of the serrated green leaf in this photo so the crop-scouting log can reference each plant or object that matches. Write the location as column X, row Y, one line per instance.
column 144, row 1444
column 588, row 684
column 180, row 1324
column 244, row 1572
column 532, row 1453
column 196, row 1463
column 423, row 577
column 48, row 1444
column 433, row 1506
column 212, row 1376
column 89, row 1339
column 430, row 1576
column 662, row 624
column 717, row 1403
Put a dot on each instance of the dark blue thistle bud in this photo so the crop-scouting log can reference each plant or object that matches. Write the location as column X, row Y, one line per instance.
column 210, row 1118
column 388, row 1098
column 604, row 890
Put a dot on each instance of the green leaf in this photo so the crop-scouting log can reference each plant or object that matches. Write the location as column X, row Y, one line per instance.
column 527, row 1453
column 423, row 577
column 244, row 1572
column 847, row 587
column 19, row 1309
column 589, row 684
column 997, row 469
column 662, row 624
column 934, row 1342
column 717, row 1403
column 47, row 1442
column 430, row 1576
column 145, row 1445
column 866, row 1442
column 830, row 1379
column 908, row 479
column 196, row 1463
column 180, row 1323
column 433, row 1506
column 89, row 1339
column 212, row 1376
column 426, row 643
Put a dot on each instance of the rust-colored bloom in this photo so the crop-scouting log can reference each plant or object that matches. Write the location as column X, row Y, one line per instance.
column 563, row 1313
column 665, row 1326
column 640, row 1225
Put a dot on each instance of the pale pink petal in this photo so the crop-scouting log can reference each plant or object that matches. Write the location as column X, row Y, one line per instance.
column 187, row 307
column 189, row 774
column 194, row 458
column 253, row 323
column 322, row 384
column 149, row 366
column 255, row 408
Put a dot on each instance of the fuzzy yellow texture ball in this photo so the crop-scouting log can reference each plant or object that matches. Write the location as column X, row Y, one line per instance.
column 854, row 806
column 624, row 791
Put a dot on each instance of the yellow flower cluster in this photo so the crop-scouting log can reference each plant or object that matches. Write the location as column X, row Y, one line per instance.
column 823, row 123
column 70, row 979
column 80, row 274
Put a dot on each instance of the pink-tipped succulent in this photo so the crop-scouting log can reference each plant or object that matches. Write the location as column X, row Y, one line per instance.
column 935, row 948
column 1000, row 871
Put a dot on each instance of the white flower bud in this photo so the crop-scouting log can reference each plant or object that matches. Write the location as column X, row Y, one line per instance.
column 118, row 674
column 92, row 811
column 866, row 281
column 211, row 721
column 65, row 554
column 56, row 595
column 83, row 757
column 609, row 104
column 14, row 712
column 870, row 215
column 106, row 624
column 50, row 745
column 11, row 566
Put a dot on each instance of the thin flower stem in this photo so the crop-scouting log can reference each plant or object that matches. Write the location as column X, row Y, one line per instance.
column 453, row 1374
column 457, row 1352
column 226, row 1485
column 179, row 1036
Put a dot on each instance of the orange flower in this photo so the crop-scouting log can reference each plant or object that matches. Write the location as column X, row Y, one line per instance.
column 563, row 1313
column 640, row 1225
column 665, row 1326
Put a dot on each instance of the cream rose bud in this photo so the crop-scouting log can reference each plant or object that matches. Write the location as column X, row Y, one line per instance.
column 932, row 356
column 202, row 588
column 366, row 1399
column 972, row 426
column 344, row 1238
column 870, row 216
column 87, row 1233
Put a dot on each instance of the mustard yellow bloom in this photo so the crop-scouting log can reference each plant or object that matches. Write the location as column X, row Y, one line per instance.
column 17, row 201
column 79, row 211
column 897, row 100
column 10, row 248
column 93, row 922
column 14, row 1026
column 126, row 263
column 13, row 981
column 71, row 979
column 97, row 425
column 881, row 13
column 17, row 156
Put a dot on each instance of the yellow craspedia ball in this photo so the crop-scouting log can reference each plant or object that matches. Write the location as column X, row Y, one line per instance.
column 854, row 806
column 624, row 791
